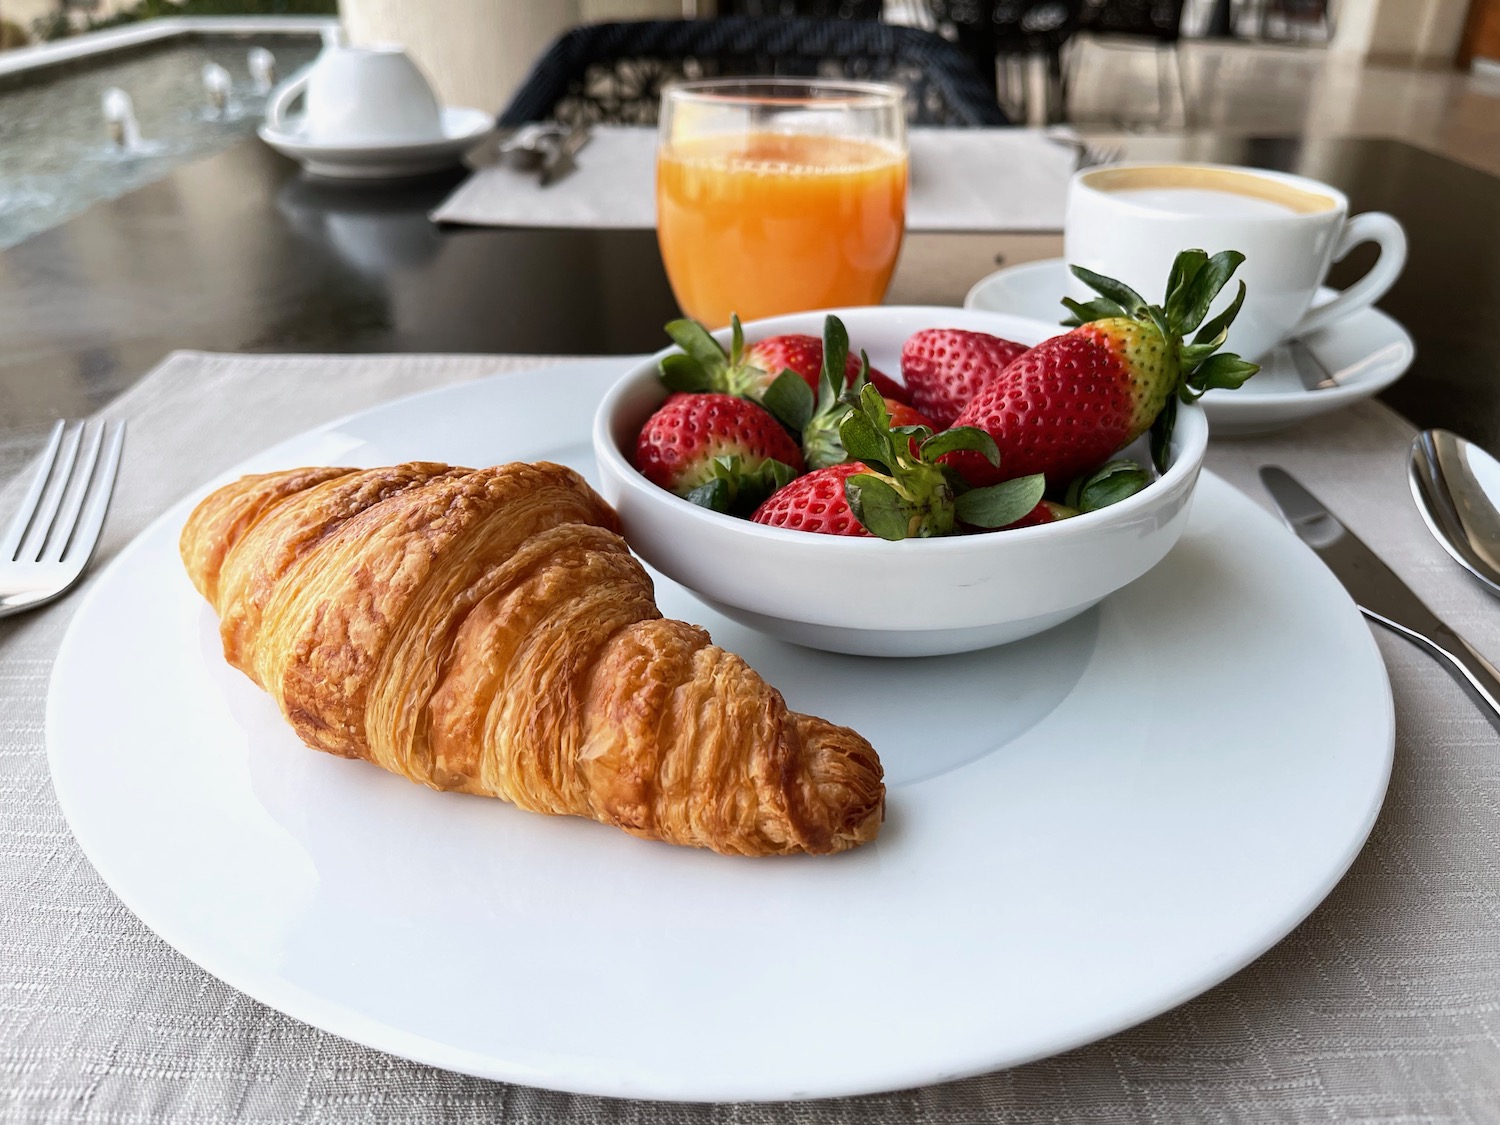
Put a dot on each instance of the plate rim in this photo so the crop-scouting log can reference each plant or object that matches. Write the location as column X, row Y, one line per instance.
column 307, row 1007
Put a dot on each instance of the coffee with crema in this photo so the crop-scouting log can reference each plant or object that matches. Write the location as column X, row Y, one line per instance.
column 1209, row 192
column 1129, row 221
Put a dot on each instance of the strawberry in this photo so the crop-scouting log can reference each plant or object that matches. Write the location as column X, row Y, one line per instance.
column 814, row 502
column 1046, row 511
column 893, row 486
column 1068, row 403
column 816, row 414
column 804, row 355
column 904, row 414
column 716, row 450
column 748, row 371
column 946, row 367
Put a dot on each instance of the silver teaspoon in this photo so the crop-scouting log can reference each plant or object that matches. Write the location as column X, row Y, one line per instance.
column 1457, row 489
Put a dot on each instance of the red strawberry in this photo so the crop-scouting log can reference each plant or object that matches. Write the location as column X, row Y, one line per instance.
column 748, row 371
column 1045, row 512
column 723, row 452
column 1068, row 403
column 946, row 367
column 892, row 486
column 804, row 355
column 814, row 502
column 903, row 414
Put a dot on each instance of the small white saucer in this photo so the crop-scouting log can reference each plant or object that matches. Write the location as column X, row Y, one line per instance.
column 462, row 129
column 1364, row 352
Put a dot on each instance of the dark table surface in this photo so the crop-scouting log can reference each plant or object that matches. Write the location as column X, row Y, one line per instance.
column 240, row 252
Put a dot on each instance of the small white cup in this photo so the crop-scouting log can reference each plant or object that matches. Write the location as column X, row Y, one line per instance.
column 1129, row 221
column 361, row 96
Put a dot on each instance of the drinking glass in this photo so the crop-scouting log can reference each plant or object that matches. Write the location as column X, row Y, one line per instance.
column 778, row 195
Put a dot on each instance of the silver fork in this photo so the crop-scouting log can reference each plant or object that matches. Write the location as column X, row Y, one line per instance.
column 1086, row 155
column 53, row 536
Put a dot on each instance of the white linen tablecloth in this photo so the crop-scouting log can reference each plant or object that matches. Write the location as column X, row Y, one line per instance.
column 1384, row 1006
column 961, row 180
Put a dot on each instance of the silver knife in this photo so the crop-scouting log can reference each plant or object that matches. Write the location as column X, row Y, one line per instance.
column 1310, row 369
column 560, row 160
column 1380, row 595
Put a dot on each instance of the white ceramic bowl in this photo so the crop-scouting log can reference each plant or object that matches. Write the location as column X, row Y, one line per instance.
column 867, row 596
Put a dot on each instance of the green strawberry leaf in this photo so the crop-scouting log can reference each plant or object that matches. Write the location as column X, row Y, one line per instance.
column 1106, row 485
column 755, row 487
column 1184, row 268
column 1116, row 291
column 1225, row 371
column 863, row 442
column 1191, row 355
column 1002, row 503
column 1216, row 331
column 1158, row 316
column 684, row 373
column 713, row 495
column 878, row 506
column 862, row 376
column 694, row 339
column 1161, row 435
column 736, row 340
column 1090, row 311
column 1202, row 288
column 789, row 399
column 835, row 357
column 963, row 437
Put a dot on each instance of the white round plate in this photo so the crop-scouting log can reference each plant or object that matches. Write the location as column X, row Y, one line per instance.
column 462, row 129
column 1365, row 352
column 1085, row 828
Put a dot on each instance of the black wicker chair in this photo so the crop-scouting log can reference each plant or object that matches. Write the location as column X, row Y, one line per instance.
column 613, row 72
column 999, row 36
column 817, row 9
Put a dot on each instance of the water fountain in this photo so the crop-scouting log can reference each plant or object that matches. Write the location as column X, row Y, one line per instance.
column 120, row 120
column 217, row 82
column 262, row 65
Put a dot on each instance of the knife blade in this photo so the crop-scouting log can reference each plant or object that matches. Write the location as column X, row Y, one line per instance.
column 1310, row 369
column 560, row 160
column 1379, row 593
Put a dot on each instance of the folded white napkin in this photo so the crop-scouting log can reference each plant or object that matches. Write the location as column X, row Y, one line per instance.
column 961, row 180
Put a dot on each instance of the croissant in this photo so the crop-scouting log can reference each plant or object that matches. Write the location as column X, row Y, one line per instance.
column 489, row 631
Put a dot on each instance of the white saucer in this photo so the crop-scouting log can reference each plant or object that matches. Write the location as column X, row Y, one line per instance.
column 462, row 128
column 1365, row 352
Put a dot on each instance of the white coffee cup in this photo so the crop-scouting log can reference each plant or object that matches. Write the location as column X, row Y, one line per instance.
column 1128, row 222
column 361, row 96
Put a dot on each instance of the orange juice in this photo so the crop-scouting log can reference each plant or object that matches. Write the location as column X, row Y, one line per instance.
column 765, row 223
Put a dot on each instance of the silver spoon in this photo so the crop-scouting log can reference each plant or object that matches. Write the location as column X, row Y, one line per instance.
column 1457, row 489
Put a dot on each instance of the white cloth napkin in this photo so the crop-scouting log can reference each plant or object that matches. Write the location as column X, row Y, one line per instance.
column 961, row 180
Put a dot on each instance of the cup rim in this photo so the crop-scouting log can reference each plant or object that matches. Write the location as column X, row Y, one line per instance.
column 836, row 93
column 1081, row 181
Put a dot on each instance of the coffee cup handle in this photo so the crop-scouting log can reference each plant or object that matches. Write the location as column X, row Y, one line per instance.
column 282, row 99
column 1372, row 226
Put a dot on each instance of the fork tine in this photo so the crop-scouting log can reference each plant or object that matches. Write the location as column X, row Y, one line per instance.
column 91, row 438
column 46, row 509
column 96, row 502
column 10, row 545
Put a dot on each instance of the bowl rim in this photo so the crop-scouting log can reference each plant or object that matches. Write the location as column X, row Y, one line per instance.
column 1189, row 444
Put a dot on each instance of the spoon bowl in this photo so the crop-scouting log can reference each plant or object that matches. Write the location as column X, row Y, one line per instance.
column 1456, row 485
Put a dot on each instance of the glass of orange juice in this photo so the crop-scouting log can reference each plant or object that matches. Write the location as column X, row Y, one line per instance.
column 778, row 195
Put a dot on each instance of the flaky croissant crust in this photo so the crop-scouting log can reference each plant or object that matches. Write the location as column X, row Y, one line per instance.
column 489, row 631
